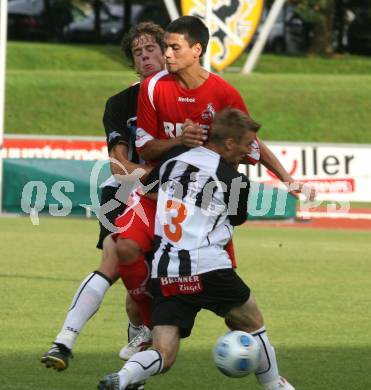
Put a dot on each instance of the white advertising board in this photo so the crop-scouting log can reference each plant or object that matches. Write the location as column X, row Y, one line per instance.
column 340, row 172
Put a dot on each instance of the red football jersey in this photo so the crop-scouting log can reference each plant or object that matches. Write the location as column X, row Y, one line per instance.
column 163, row 105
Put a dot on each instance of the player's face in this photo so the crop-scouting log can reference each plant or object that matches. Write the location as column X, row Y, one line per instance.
column 147, row 55
column 178, row 54
column 239, row 150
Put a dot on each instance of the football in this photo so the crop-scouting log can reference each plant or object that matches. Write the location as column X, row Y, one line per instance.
column 236, row 354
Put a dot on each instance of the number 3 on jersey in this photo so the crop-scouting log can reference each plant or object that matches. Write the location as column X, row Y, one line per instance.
column 173, row 231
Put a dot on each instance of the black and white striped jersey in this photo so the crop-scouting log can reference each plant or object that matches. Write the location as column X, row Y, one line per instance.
column 200, row 198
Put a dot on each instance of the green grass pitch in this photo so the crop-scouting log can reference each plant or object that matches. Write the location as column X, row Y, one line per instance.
column 313, row 287
column 296, row 98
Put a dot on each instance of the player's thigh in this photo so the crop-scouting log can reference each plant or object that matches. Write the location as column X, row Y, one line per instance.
column 174, row 310
column 166, row 341
column 136, row 230
column 246, row 317
column 109, row 262
column 107, row 219
column 127, row 250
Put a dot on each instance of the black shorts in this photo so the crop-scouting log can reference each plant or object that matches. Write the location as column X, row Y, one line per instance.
column 222, row 291
column 108, row 193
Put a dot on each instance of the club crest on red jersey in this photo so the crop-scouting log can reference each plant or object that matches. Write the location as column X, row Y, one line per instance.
column 209, row 113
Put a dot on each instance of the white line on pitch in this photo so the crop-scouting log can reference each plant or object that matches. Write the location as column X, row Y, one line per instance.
column 317, row 214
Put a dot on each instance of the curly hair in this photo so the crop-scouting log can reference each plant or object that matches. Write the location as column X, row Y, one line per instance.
column 135, row 32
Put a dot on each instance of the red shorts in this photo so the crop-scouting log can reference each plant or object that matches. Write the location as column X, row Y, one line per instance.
column 137, row 223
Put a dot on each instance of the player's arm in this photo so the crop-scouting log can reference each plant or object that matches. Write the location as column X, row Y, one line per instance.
column 121, row 165
column 156, row 148
column 192, row 135
column 238, row 197
column 236, row 192
column 118, row 137
column 260, row 152
column 271, row 162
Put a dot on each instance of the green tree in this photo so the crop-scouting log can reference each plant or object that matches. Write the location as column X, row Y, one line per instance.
column 319, row 16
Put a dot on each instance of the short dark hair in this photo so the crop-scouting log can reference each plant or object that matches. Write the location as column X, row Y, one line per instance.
column 140, row 29
column 231, row 123
column 193, row 29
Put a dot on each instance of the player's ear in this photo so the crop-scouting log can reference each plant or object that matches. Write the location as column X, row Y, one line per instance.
column 229, row 143
column 197, row 49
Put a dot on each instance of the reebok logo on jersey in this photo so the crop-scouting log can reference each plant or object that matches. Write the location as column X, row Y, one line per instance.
column 186, row 100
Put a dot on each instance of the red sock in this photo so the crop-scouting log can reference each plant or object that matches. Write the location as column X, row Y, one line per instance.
column 135, row 277
column 230, row 250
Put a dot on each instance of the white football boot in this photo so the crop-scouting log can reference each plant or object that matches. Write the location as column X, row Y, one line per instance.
column 280, row 384
column 141, row 342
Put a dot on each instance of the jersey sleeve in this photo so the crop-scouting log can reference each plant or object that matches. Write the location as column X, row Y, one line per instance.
column 253, row 155
column 234, row 99
column 147, row 128
column 238, row 197
column 236, row 194
column 115, row 123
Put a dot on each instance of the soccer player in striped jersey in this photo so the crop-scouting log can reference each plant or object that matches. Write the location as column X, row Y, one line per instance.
column 201, row 196
column 176, row 107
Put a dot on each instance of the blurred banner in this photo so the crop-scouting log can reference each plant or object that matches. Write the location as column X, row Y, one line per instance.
column 232, row 25
column 53, row 175
column 61, row 176
column 71, row 148
column 340, row 172
column 52, row 186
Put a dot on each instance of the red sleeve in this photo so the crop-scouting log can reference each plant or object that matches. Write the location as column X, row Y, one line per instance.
column 147, row 128
column 233, row 98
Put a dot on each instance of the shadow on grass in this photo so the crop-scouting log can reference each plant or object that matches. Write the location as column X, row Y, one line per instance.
column 307, row 368
column 37, row 277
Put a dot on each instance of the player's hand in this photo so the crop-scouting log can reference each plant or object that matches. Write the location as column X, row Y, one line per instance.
column 193, row 134
column 297, row 188
column 147, row 171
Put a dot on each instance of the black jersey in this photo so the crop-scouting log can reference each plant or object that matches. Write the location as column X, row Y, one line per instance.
column 120, row 119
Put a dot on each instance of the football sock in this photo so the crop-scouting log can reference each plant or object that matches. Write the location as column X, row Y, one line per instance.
column 139, row 367
column 85, row 304
column 267, row 370
column 135, row 277
column 133, row 330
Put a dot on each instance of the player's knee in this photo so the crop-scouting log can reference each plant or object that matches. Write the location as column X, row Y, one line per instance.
column 252, row 322
column 246, row 317
column 109, row 262
column 127, row 250
column 166, row 342
column 168, row 358
column 256, row 320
